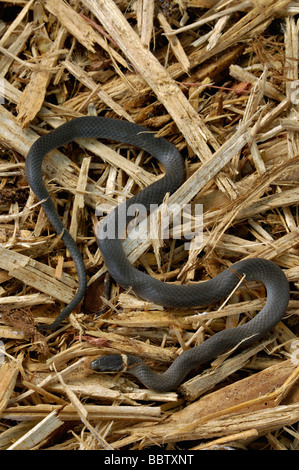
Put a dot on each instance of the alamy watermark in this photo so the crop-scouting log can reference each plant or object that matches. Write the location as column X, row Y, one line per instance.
column 295, row 93
column 2, row 353
column 167, row 221
column 2, row 91
column 294, row 352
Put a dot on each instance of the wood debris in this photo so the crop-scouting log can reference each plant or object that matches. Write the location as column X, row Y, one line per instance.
column 218, row 79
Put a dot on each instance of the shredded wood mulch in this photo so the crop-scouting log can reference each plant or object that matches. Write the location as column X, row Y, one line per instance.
column 218, row 79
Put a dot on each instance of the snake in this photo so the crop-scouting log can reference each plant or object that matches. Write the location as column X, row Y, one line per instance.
column 167, row 294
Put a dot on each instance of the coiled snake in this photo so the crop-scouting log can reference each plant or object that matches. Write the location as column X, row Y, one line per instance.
column 148, row 288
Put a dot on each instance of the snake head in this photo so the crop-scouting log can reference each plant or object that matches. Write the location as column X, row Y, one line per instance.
column 111, row 363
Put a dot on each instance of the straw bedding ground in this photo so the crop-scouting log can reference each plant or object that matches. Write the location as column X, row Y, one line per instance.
column 219, row 79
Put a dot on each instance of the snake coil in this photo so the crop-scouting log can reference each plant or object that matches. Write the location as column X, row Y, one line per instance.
column 145, row 286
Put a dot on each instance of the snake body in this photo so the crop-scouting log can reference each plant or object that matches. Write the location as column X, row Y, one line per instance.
column 148, row 288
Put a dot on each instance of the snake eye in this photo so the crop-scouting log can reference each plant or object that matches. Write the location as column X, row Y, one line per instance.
column 112, row 363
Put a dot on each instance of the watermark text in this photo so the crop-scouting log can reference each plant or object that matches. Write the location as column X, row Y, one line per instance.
column 164, row 222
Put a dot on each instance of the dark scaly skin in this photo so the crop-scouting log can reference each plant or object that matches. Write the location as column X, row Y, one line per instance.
column 142, row 284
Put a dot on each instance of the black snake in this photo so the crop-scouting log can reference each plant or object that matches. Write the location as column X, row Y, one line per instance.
column 148, row 288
